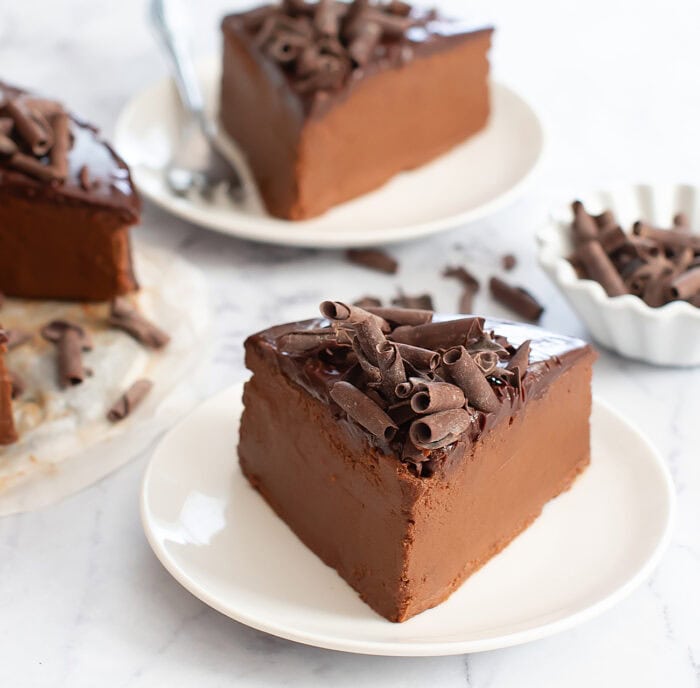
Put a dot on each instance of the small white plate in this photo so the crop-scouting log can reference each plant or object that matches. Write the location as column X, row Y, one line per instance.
column 473, row 180
column 220, row 540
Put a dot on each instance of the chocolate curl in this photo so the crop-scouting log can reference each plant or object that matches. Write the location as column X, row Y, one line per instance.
column 517, row 299
column 373, row 259
column 363, row 410
column 124, row 316
column 70, row 340
column 366, row 38
column 681, row 222
column 254, row 19
column 584, row 227
column 84, row 178
column 15, row 338
column 7, row 146
column 44, row 106
column 468, row 377
column 370, row 337
column 421, row 359
column 487, row 361
column 439, row 429
column 402, row 316
column 329, row 73
column 6, row 125
column 391, row 367
column 18, row 385
column 327, row 17
column 350, row 315
column 391, row 25
column 33, row 167
column 673, row 239
column 613, row 238
column 31, row 125
column 304, row 341
column 128, row 401
column 285, row 46
column 600, row 268
column 61, row 146
column 685, row 286
column 436, row 335
column 606, row 220
column 437, row 396
column 369, row 368
column 422, row 302
column 519, row 362
column 410, row 387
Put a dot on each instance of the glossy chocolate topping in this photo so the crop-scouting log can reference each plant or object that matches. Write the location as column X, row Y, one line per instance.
column 323, row 48
column 515, row 362
column 93, row 173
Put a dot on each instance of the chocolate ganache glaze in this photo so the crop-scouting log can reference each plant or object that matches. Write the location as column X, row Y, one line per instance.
column 323, row 48
column 417, row 385
column 46, row 150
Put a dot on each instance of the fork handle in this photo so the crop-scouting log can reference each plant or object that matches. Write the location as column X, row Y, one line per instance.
column 169, row 21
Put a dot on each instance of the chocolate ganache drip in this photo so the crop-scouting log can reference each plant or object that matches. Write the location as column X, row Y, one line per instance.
column 418, row 386
column 320, row 44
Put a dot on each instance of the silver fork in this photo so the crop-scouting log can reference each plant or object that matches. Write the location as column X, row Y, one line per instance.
column 201, row 161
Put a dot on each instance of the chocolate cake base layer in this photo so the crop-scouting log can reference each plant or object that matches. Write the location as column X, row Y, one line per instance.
column 392, row 119
column 403, row 542
column 63, row 250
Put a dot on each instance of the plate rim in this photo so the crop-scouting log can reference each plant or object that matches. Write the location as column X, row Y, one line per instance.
column 413, row 648
column 295, row 234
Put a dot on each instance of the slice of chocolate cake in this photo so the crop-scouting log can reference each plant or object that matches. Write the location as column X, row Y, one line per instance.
column 329, row 100
column 406, row 450
column 66, row 205
column 8, row 435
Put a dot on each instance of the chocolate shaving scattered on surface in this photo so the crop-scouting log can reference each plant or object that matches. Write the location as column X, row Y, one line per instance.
column 373, row 259
column 124, row 316
column 368, row 301
column 128, row 401
column 516, row 299
column 71, row 340
column 509, row 261
column 420, row 301
column 656, row 265
column 464, row 276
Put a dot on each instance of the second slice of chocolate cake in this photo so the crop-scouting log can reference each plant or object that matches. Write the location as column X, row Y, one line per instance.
column 406, row 450
column 328, row 100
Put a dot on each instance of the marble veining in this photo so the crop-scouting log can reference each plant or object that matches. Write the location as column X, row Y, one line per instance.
column 84, row 602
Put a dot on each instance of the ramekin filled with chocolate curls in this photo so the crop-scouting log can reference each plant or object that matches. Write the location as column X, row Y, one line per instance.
column 628, row 261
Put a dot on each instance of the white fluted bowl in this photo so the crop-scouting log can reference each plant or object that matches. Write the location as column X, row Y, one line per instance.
column 669, row 335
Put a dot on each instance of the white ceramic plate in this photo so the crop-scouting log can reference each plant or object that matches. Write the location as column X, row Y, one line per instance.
column 221, row 541
column 475, row 179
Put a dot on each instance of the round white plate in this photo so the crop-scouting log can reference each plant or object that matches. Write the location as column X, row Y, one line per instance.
column 473, row 180
column 220, row 540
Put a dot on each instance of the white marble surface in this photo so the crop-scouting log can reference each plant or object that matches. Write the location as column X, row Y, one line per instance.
column 83, row 601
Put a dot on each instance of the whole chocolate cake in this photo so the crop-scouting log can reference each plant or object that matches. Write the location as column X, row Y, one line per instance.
column 405, row 449
column 329, row 100
column 66, row 205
